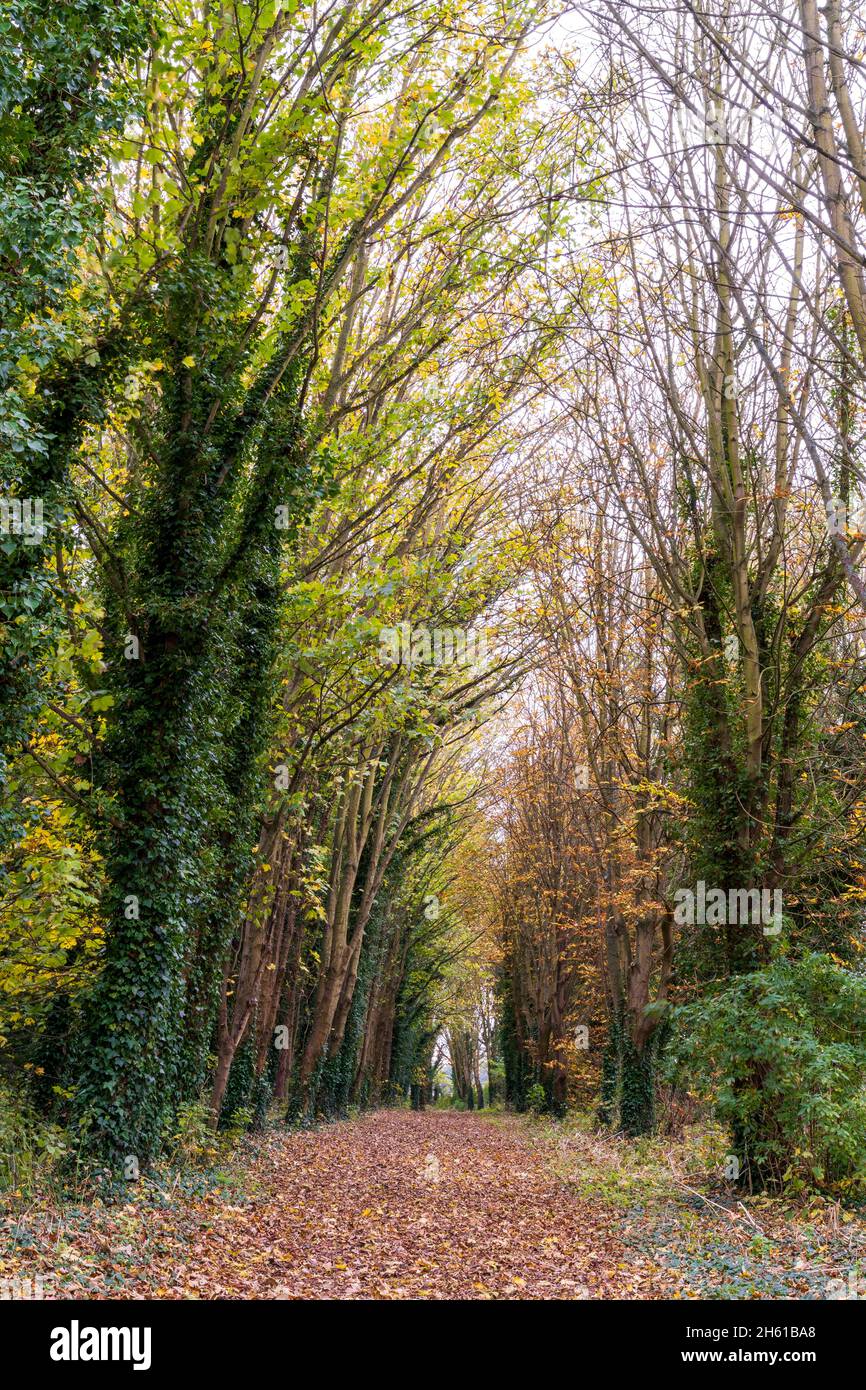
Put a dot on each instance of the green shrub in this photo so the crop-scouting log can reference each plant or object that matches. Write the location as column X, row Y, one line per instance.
column 30, row 1149
column 781, row 1054
column 536, row 1099
column 192, row 1141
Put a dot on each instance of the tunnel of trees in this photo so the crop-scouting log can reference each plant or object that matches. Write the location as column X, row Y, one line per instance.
column 432, row 650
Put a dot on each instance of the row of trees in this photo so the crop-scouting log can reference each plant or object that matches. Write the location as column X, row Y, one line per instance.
column 696, row 721
column 266, row 399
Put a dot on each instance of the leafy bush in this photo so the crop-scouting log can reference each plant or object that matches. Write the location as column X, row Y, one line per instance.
column 781, row 1053
column 29, row 1147
column 191, row 1140
column 536, row 1099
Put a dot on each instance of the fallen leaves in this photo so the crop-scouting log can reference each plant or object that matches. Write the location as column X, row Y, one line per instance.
column 360, row 1210
column 394, row 1205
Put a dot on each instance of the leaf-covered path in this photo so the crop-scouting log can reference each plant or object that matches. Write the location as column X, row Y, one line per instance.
column 392, row 1205
column 436, row 1205
column 399, row 1204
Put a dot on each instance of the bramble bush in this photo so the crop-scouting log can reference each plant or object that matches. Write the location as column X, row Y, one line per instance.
column 781, row 1055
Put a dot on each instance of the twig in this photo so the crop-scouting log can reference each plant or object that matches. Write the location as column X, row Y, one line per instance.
column 750, row 1218
column 732, row 1215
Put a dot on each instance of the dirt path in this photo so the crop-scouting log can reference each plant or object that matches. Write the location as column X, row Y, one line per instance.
column 404, row 1205
column 439, row 1205
column 392, row 1205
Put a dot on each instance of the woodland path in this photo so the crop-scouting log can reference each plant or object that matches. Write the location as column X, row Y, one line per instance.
column 401, row 1204
column 392, row 1205
column 433, row 1205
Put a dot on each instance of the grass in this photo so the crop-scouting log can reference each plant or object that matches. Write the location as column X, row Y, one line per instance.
column 677, row 1212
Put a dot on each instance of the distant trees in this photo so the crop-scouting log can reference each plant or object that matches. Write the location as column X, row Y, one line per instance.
column 579, row 856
